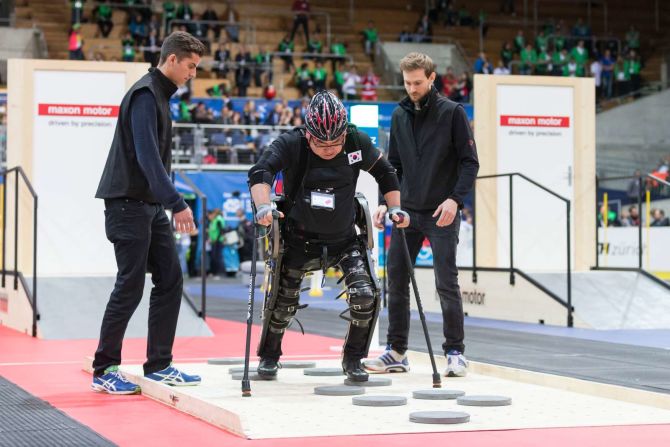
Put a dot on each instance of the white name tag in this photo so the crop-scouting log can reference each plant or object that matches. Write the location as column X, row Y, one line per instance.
column 322, row 200
column 355, row 157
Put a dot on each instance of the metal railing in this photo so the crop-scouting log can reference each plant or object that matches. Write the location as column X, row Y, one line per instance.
column 512, row 270
column 249, row 28
column 640, row 268
column 18, row 276
column 202, row 233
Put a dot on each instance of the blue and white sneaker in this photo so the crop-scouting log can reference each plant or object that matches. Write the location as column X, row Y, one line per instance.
column 457, row 364
column 113, row 382
column 390, row 361
column 172, row 376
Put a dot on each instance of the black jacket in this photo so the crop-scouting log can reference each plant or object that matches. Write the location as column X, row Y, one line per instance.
column 123, row 176
column 433, row 152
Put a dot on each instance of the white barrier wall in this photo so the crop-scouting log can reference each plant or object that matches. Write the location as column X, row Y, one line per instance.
column 62, row 116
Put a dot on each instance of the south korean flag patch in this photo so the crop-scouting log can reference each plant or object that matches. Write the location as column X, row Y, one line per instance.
column 355, row 157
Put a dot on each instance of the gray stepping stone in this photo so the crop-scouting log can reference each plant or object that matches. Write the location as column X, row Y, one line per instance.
column 240, row 369
column 298, row 364
column 323, row 372
column 338, row 390
column 484, row 401
column 252, row 376
column 439, row 417
column 226, row 361
column 372, row 381
column 379, row 401
column 437, row 394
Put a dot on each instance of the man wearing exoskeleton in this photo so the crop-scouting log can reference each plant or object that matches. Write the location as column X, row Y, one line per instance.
column 320, row 163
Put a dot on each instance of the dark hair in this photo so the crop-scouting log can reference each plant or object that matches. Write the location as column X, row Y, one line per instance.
column 181, row 44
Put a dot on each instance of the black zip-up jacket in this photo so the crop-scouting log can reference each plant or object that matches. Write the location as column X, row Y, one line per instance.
column 433, row 152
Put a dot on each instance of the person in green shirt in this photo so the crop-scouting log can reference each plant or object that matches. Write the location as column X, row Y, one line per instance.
column 169, row 13
column 541, row 42
column 287, row 47
column 559, row 59
column 128, row 49
column 506, row 53
column 543, row 66
column 632, row 67
column 371, row 39
column 519, row 41
column 185, row 108
column 315, row 44
column 580, row 55
column 633, row 38
column 338, row 79
column 528, row 60
column 215, row 231
column 303, row 79
column 337, row 48
column 263, row 61
column 104, row 14
column 319, row 76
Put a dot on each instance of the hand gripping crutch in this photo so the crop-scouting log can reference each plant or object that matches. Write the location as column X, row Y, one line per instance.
column 437, row 382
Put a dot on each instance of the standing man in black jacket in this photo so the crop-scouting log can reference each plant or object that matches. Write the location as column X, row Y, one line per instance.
column 136, row 187
column 434, row 153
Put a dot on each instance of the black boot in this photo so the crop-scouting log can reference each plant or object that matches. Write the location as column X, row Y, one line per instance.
column 268, row 367
column 354, row 370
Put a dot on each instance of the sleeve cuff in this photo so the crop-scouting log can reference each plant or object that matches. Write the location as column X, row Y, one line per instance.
column 179, row 206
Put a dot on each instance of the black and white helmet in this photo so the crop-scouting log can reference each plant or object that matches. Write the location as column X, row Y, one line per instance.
column 326, row 117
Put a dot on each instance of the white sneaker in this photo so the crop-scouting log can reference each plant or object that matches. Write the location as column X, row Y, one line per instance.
column 390, row 361
column 457, row 364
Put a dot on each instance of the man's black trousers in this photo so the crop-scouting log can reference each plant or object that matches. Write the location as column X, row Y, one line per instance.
column 143, row 240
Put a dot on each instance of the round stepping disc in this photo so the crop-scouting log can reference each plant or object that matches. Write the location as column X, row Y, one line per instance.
column 484, row 401
column 298, row 364
column 437, row 394
column 372, row 381
column 226, row 361
column 379, row 401
column 252, row 376
column 240, row 369
column 323, row 372
column 439, row 417
column 339, row 390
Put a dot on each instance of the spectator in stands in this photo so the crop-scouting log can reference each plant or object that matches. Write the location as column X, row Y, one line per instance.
column 451, row 16
column 232, row 18
column 103, row 13
column 210, row 14
column 243, row 71
column 77, row 11
column 426, row 28
column 199, row 30
column 338, row 79
column 659, row 219
column 245, row 231
column 154, row 24
column 222, row 59
column 185, row 109
column 184, row 11
column 595, row 71
column 215, row 231
column 169, row 14
column 580, row 56
column 217, row 90
column 301, row 9
column 262, row 67
column 370, row 82
column 371, row 40
column 315, row 45
column 581, row 29
column 227, row 113
column 633, row 67
column 506, row 53
column 405, row 35
column 501, row 69
column 622, row 77
column 351, row 80
column 128, row 48
column 319, row 76
column 337, row 48
column 558, row 38
column 607, row 75
column 461, row 91
column 152, row 48
column 633, row 39
column 519, row 42
column 137, row 28
column 202, row 114
column 286, row 47
column 250, row 114
column 632, row 219
column 303, row 79
column 76, row 43
column 612, row 219
column 633, row 188
column 559, row 61
column 286, row 117
column 274, row 117
column 448, row 82
column 541, row 42
column 420, row 35
column 482, row 65
column 528, row 60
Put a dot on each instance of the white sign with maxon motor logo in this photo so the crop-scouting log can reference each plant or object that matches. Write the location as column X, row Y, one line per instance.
column 75, row 117
column 535, row 137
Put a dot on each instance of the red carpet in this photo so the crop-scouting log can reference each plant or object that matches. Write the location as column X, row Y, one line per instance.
column 51, row 370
